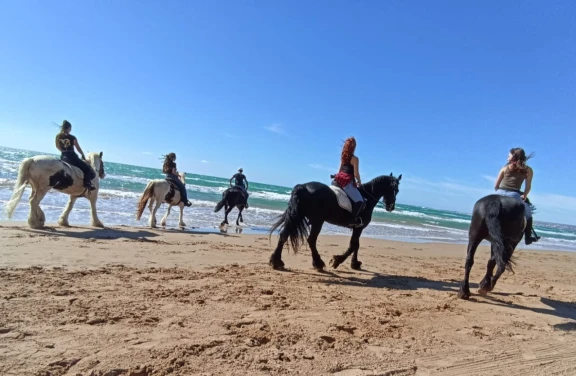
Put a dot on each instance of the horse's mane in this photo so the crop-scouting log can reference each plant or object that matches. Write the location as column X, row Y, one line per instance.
column 379, row 180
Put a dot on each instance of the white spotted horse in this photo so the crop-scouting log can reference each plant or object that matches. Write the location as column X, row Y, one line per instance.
column 44, row 173
column 159, row 191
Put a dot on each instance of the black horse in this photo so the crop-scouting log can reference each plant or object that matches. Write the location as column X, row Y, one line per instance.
column 500, row 220
column 232, row 198
column 314, row 203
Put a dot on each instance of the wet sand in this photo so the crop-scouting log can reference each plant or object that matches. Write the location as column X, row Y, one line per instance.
column 135, row 301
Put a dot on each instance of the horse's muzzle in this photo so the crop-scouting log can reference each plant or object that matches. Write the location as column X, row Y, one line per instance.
column 390, row 207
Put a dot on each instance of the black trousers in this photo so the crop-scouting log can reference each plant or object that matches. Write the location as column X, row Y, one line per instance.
column 73, row 159
column 181, row 186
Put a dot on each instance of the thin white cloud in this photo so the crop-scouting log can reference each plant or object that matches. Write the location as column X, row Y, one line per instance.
column 491, row 179
column 229, row 135
column 318, row 166
column 276, row 128
column 146, row 153
column 204, row 161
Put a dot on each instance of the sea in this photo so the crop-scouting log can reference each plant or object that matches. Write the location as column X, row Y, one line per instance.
column 123, row 185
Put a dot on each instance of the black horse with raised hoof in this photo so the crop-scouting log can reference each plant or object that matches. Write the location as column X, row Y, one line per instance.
column 232, row 198
column 500, row 220
column 314, row 203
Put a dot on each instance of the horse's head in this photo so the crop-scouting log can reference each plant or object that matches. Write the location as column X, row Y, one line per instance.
column 97, row 163
column 391, row 190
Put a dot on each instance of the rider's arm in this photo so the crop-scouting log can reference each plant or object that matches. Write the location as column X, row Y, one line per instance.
column 79, row 148
column 499, row 178
column 247, row 185
column 356, row 163
column 528, row 186
column 232, row 178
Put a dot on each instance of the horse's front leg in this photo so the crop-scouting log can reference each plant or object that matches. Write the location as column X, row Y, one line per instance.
column 339, row 259
column 239, row 219
column 152, row 221
column 63, row 221
column 95, row 221
column 181, row 223
column 355, row 245
column 165, row 217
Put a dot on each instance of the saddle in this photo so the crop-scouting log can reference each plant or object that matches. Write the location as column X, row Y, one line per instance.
column 238, row 189
column 75, row 172
column 172, row 192
column 343, row 200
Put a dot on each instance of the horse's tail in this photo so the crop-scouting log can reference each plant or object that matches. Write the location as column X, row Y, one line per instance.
column 292, row 223
column 147, row 195
column 502, row 253
column 20, row 186
column 222, row 202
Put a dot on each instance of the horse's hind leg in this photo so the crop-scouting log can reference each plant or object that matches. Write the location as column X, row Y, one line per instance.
column 276, row 258
column 473, row 242
column 165, row 217
column 486, row 283
column 501, row 268
column 36, row 218
column 63, row 221
column 352, row 249
column 152, row 221
column 317, row 262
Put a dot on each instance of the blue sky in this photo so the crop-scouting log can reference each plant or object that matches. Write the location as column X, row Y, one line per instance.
column 438, row 91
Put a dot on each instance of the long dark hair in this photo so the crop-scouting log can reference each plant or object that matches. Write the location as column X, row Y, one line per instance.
column 348, row 150
column 168, row 160
column 65, row 126
column 518, row 160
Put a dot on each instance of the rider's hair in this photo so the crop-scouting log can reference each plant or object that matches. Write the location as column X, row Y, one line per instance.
column 348, row 150
column 518, row 160
column 168, row 158
column 65, row 126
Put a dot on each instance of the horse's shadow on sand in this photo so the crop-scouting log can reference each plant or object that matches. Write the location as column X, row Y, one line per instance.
column 560, row 309
column 109, row 233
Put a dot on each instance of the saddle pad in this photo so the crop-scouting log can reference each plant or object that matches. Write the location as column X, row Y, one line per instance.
column 75, row 171
column 343, row 200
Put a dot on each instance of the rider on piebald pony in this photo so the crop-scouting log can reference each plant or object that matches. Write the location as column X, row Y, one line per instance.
column 241, row 182
column 509, row 183
column 348, row 178
column 169, row 168
column 65, row 142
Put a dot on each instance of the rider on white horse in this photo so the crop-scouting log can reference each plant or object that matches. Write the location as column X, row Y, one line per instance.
column 171, row 172
column 65, row 142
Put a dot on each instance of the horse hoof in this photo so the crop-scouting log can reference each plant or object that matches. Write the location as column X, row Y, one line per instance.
column 356, row 265
column 483, row 291
column 63, row 224
column 319, row 266
column 464, row 294
column 336, row 261
column 276, row 264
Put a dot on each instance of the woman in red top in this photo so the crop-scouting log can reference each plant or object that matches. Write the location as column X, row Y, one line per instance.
column 348, row 178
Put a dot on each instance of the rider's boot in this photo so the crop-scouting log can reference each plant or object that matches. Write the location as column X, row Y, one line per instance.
column 356, row 209
column 528, row 238
column 88, row 185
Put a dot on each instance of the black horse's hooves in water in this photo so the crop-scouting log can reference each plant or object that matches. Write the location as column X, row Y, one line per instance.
column 356, row 265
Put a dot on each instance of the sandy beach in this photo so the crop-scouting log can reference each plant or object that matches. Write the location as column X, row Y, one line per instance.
column 135, row 301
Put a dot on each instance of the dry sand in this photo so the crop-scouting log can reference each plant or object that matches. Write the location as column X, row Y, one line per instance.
column 134, row 301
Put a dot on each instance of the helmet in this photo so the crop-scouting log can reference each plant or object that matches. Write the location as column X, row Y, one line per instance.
column 240, row 169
